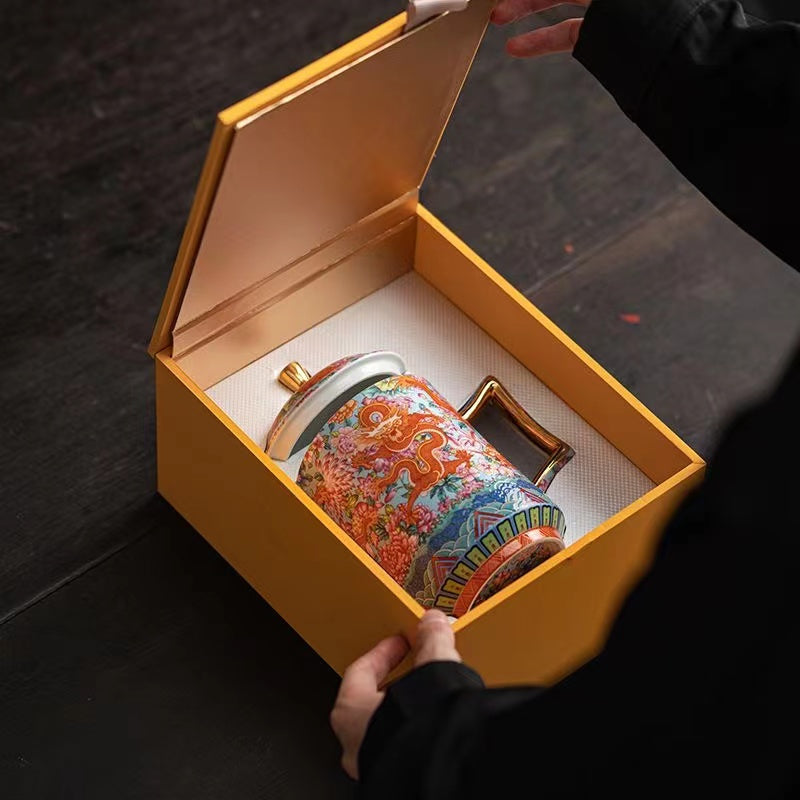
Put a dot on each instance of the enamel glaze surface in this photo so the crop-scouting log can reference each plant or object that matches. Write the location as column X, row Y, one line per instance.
column 427, row 496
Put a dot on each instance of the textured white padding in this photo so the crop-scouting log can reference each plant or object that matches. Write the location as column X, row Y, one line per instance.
column 442, row 344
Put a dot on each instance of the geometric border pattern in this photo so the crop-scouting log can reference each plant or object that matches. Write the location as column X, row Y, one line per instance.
column 490, row 542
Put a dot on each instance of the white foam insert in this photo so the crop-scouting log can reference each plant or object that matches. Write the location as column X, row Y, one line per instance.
column 442, row 344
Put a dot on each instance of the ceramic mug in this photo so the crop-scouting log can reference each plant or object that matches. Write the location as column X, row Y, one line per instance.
column 413, row 483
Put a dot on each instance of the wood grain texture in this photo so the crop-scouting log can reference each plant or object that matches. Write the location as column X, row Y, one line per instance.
column 163, row 675
column 538, row 161
column 107, row 113
column 198, row 689
column 717, row 315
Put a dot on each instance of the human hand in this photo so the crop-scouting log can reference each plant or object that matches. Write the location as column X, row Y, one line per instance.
column 558, row 38
column 359, row 694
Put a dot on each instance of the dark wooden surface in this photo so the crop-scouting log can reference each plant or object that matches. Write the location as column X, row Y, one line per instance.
column 133, row 662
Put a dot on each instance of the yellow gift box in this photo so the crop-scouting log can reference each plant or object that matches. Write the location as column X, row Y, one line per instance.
column 306, row 227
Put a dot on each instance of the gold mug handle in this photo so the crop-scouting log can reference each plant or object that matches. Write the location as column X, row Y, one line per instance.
column 557, row 451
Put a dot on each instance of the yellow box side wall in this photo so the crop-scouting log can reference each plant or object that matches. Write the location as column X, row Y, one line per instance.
column 558, row 616
column 518, row 326
column 334, row 595
column 300, row 562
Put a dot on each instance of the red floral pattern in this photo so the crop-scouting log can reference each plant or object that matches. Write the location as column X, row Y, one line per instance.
column 394, row 466
column 397, row 554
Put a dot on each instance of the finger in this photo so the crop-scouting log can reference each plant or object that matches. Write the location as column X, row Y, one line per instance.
column 435, row 639
column 512, row 10
column 559, row 38
column 368, row 672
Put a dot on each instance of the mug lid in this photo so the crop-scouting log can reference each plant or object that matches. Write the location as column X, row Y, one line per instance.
column 318, row 397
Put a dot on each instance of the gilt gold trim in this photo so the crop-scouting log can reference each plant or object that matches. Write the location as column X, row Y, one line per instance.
column 491, row 391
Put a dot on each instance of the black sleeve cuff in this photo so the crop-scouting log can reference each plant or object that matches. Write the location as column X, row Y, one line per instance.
column 418, row 692
column 624, row 42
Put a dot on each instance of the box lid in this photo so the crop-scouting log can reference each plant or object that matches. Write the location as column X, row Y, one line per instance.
column 333, row 149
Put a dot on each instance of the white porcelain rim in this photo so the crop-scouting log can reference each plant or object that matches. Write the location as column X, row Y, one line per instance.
column 381, row 362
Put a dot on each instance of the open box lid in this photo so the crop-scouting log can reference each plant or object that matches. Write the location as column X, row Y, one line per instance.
column 336, row 151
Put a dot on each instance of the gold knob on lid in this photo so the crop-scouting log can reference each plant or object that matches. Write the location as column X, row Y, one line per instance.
column 293, row 376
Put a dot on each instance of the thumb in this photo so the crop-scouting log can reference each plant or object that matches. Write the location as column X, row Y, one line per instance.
column 435, row 639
